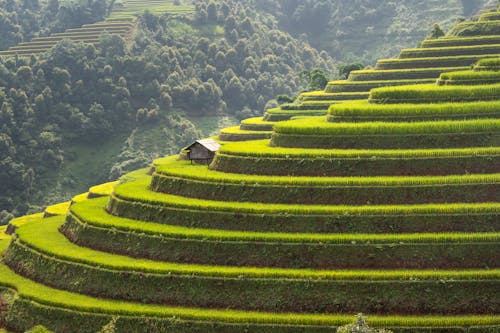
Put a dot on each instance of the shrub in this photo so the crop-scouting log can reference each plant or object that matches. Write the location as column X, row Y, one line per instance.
column 436, row 31
column 5, row 217
column 360, row 325
column 39, row 329
column 281, row 99
column 346, row 69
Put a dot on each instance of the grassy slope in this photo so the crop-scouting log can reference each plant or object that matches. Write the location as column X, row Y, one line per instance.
column 55, row 244
column 85, row 166
column 138, row 191
column 186, row 170
column 50, row 296
column 90, row 166
column 93, row 213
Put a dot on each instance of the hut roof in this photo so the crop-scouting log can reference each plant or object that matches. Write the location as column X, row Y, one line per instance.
column 209, row 144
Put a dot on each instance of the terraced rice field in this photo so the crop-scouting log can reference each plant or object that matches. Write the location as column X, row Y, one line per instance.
column 388, row 206
column 89, row 33
column 131, row 8
column 464, row 45
column 122, row 22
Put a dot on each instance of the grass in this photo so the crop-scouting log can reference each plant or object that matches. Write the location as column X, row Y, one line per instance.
column 471, row 77
column 318, row 126
column 80, row 197
column 393, row 112
column 138, row 192
column 89, row 33
column 431, row 93
column 55, row 244
column 3, row 235
column 361, row 86
column 92, row 212
column 237, row 130
column 195, row 181
column 58, row 209
column 331, row 96
column 461, row 41
column 432, row 62
column 132, row 8
column 237, row 134
column 400, row 74
column 102, row 190
column 447, row 51
column 186, row 170
column 292, row 111
column 308, row 105
column 492, row 64
column 137, row 174
column 20, row 221
column 33, row 291
column 256, row 157
column 490, row 16
column 480, row 28
column 256, row 124
column 261, row 148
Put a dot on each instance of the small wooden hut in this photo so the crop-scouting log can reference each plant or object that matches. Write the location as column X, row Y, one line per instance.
column 202, row 151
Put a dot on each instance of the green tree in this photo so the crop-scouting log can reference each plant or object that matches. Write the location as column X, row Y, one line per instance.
column 437, row 31
column 212, row 12
column 346, row 69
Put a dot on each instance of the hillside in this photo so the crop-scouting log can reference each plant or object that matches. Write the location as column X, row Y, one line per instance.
column 385, row 202
column 230, row 58
column 366, row 30
column 142, row 85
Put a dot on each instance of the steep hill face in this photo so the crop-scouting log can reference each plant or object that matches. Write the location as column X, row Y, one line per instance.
column 365, row 30
column 388, row 206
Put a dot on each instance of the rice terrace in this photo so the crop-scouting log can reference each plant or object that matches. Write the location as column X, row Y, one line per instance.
column 379, row 194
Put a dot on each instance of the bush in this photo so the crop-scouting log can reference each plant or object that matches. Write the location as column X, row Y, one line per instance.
column 436, row 31
column 38, row 329
column 345, row 70
column 360, row 325
column 5, row 217
column 281, row 99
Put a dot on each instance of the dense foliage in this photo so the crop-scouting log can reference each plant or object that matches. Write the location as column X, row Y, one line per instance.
column 364, row 30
